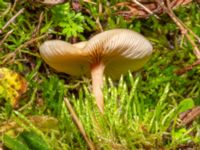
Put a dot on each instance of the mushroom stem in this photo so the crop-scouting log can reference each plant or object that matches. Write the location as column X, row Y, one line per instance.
column 97, row 71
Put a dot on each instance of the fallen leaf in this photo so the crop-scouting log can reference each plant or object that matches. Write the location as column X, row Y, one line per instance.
column 137, row 11
column 44, row 123
column 12, row 86
column 190, row 115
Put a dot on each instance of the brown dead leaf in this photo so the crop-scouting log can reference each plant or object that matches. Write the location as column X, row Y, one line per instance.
column 190, row 115
column 137, row 11
column 44, row 123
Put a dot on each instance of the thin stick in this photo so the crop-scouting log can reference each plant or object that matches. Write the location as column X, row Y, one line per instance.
column 89, row 1
column 7, row 10
column 196, row 49
column 98, row 18
column 36, row 31
column 13, row 54
column 183, row 29
column 187, row 68
column 195, row 35
column 14, row 5
column 30, row 42
column 145, row 8
column 11, row 20
column 79, row 124
column 97, row 71
column 181, row 26
column 6, row 36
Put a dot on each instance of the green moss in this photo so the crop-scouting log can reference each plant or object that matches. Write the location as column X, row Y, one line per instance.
column 141, row 109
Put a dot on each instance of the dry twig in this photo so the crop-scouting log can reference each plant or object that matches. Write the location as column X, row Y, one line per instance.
column 181, row 26
column 11, row 20
column 188, row 68
column 14, row 5
column 79, row 124
column 6, row 36
column 98, row 19
column 37, row 29
column 11, row 56
column 145, row 8
column 185, row 31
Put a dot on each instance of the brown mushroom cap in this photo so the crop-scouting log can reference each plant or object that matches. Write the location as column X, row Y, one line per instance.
column 120, row 50
column 64, row 57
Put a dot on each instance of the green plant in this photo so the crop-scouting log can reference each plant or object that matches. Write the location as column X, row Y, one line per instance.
column 71, row 23
column 142, row 110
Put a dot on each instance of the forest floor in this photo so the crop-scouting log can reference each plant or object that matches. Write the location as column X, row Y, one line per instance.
column 154, row 108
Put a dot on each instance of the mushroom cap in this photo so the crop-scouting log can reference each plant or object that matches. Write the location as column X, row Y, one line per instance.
column 64, row 57
column 119, row 49
column 80, row 44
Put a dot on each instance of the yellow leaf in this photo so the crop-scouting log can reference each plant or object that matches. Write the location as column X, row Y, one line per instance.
column 12, row 86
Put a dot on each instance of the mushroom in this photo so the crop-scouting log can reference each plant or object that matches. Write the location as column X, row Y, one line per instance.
column 112, row 53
